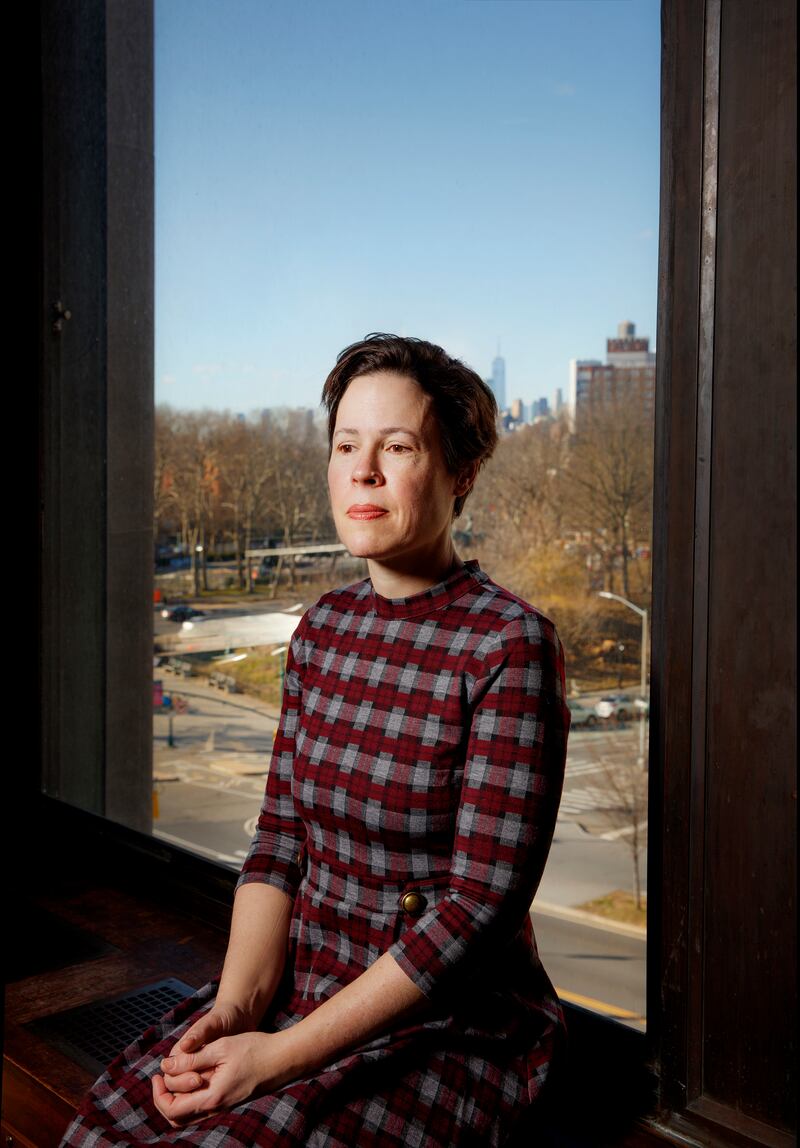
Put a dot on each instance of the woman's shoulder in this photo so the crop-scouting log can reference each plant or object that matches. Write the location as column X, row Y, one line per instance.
column 518, row 637
column 332, row 613
column 507, row 616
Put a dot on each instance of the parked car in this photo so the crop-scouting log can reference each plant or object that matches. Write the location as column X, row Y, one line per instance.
column 618, row 706
column 181, row 613
column 581, row 715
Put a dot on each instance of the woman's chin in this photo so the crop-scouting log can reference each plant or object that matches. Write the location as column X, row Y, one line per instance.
column 363, row 541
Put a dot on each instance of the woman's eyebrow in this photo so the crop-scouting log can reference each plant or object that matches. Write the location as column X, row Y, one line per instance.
column 383, row 431
column 400, row 430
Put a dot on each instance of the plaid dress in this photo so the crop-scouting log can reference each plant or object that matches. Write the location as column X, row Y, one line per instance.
column 421, row 751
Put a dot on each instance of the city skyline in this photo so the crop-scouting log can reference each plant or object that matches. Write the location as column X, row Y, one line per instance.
column 532, row 405
column 303, row 204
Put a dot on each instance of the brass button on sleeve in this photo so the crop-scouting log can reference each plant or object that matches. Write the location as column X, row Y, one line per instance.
column 413, row 903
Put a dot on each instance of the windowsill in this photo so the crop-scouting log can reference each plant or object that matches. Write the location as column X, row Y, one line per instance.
column 83, row 933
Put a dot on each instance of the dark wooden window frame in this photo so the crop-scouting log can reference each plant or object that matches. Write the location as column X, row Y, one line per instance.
column 625, row 1081
column 722, row 994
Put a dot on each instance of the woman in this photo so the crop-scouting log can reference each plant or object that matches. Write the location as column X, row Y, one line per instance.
column 382, row 984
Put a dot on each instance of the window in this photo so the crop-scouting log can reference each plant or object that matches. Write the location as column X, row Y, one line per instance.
column 726, row 883
column 463, row 218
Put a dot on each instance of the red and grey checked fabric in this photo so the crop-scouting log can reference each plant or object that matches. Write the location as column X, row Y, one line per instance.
column 421, row 748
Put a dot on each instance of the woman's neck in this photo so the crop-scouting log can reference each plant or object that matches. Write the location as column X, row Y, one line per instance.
column 411, row 574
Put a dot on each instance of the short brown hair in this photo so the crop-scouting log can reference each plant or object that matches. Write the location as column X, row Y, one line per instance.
column 465, row 408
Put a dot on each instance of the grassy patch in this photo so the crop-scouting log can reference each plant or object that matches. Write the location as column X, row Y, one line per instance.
column 618, row 906
column 259, row 674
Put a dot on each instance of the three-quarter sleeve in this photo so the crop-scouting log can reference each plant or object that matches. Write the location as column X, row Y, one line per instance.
column 276, row 849
column 511, row 789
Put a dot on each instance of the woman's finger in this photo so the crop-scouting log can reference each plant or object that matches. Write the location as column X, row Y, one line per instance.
column 162, row 1098
column 190, row 1041
column 180, row 1109
column 198, row 1035
column 209, row 1027
column 185, row 1082
column 195, row 1038
column 180, row 1062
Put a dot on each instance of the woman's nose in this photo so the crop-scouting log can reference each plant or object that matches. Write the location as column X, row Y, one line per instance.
column 366, row 469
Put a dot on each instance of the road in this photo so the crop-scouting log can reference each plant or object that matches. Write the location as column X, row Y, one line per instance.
column 209, row 810
column 210, row 785
column 594, row 967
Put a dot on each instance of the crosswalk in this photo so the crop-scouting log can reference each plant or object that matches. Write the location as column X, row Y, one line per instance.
column 219, row 775
column 583, row 768
column 585, row 799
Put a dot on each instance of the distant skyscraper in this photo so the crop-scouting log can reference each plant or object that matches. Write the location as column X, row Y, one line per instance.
column 626, row 379
column 499, row 381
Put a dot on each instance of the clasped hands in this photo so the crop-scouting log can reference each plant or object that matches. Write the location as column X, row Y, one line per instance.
column 218, row 1064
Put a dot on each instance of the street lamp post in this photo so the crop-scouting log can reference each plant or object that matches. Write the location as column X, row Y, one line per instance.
column 282, row 664
column 643, row 687
column 198, row 552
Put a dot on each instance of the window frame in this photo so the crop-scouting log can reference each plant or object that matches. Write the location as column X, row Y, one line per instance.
column 91, row 824
column 96, row 408
column 644, row 1087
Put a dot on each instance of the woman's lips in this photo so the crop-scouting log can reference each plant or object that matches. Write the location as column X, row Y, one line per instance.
column 364, row 511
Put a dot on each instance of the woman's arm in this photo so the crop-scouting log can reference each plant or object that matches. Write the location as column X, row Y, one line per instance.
column 232, row 1069
column 270, row 877
column 253, row 968
column 513, row 776
column 370, row 1005
column 257, row 948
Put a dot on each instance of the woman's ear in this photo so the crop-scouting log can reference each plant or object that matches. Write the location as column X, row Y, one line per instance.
column 465, row 479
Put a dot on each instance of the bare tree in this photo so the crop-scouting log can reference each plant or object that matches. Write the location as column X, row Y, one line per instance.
column 247, row 470
column 191, row 483
column 516, row 505
column 297, row 494
column 219, row 477
column 624, row 785
column 163, row 463
column 608, row 485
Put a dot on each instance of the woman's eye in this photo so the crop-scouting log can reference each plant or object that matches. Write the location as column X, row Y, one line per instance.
column 344, row 447
column 398, row 447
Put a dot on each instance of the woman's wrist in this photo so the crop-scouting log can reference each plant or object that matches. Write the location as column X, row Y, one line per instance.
column 280, row 1060
column 240, row 1016
column 295, row 1052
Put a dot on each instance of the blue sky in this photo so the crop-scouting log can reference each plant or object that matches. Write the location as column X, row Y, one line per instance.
column 461, row 170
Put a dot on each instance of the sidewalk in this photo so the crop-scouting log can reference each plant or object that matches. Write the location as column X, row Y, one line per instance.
column 580, row 917
column 581, row 868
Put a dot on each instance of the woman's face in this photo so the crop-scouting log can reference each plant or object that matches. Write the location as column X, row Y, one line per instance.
column 391, row 492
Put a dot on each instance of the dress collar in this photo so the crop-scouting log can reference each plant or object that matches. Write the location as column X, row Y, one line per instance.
column 434, row 598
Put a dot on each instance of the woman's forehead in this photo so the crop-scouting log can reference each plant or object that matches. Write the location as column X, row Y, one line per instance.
column 384, row 400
